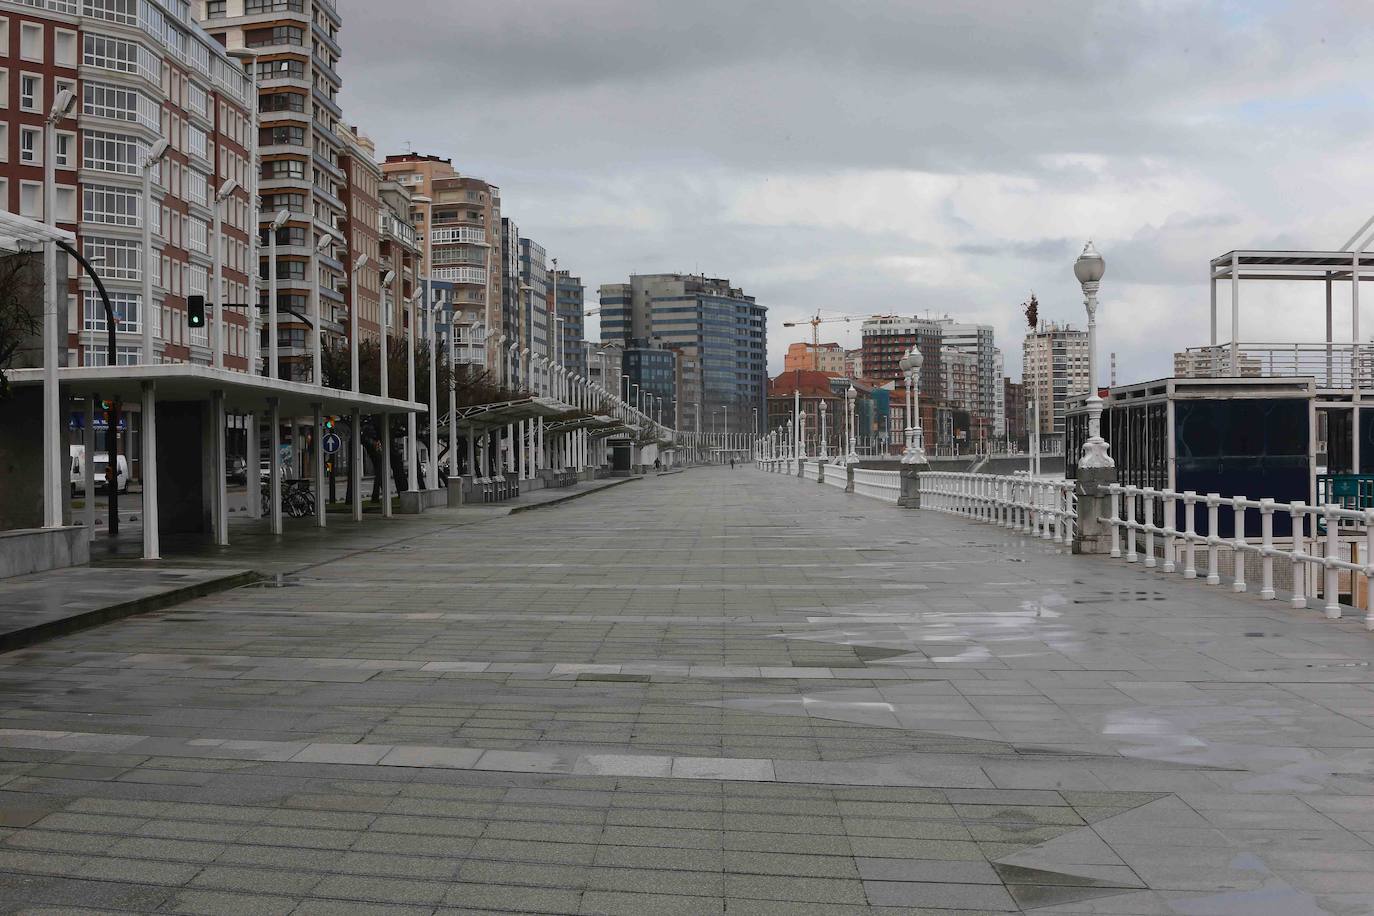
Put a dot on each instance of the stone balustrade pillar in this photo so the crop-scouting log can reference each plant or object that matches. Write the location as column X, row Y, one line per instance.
column 1094, row 503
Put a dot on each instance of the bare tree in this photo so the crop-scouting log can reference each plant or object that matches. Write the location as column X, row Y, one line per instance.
column 19, row 319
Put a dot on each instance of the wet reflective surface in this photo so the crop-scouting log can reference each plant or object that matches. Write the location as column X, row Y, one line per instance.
column 712, row 692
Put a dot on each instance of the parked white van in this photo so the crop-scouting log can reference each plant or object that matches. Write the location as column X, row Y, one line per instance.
column 77, row 470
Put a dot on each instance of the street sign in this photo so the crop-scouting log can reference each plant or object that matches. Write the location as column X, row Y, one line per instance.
column 331, row 443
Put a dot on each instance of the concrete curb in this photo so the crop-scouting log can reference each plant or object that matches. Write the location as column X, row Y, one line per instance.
column 27, row 636
column 572, row 496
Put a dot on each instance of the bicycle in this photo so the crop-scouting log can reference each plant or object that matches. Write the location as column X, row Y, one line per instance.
column 297, row 499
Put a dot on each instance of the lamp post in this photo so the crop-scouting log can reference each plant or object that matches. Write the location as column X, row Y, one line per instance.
column 316, row 360
column 851, row 397
column 1089, row 269
column 156, row 152
column 277, row 222
column 823, row 451
column 801, row 434
column 412, row 450
column 914, row 452
column 217, row 304
column 432, row 478
column 52, row 458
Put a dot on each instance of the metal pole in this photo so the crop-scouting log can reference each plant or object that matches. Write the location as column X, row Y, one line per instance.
column 274, row 464
column 319, row 464
column 412, row 449
column 453, row 406
column 272, row 331
column 148, row 356
column 355, row 463
column 216, row 297
column 433, row 482
column 52, row 465
column 221, row 505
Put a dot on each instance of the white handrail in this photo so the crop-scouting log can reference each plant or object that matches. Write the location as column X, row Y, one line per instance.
column 1311, row 526
column 1041, row 508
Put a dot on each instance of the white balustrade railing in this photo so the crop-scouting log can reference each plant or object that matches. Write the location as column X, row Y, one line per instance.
column 811, row 470
column 836, row 476
column 884, row 485
column 1313, row 549
column 1042, row 508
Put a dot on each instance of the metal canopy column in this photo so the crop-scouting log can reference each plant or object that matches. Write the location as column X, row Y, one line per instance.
column 355, row 466
column 274, row 463
column 151, row 546
column 88, row 465
column 1235, row 313
column 319, row 464
column 386, row 465
column 221, row 498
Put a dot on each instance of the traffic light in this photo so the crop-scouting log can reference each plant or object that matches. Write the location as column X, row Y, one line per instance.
column 195, row 311
column 329, row 423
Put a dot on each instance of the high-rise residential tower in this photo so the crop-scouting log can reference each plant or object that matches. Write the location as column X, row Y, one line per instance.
column 572, row 315
column 1055, row 366
column 721, row 335
column 462, row 217
column 296, row 43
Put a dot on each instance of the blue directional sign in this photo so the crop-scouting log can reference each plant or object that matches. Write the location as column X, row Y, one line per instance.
column 331, row 443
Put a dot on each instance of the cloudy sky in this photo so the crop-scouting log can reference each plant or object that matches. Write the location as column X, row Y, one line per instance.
column 900, row 156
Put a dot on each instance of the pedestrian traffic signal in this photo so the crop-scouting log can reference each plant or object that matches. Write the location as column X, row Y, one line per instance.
column 195, row 311
column 328, row 422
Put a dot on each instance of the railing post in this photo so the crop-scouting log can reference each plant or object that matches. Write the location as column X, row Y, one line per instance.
column 1237, row 545
column 1147, row 507
column 849, row 478
column 1170, row 532
column 1027, row 507
column 820, row 472
column 1095, row 531
column 1190, row 531
column 1331, row 589
column 1368, row 570
column 1298, row 513
column 1213, row 505
column 1131, row 556
column 1267, row 549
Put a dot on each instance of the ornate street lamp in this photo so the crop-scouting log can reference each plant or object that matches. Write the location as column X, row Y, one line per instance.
column 852, row 426
column 915, row 452
column 1089, row 269
column 801, row 434
column 823, row 455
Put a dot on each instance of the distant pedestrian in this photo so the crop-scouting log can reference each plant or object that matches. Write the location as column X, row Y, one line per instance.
column 657, row 465
column 732, row 464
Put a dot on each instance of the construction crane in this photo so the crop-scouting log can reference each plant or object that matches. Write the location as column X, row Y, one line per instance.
column 816, row 321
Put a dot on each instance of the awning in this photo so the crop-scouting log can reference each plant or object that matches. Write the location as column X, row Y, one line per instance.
column 501, row 413
column 192, row 382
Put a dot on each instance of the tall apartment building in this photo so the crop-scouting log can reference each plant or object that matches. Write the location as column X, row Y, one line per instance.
column 977, row 341
column 885, row 340
column 139, row 73
column 721, row 335
column 573, row 312
column 535, row 322
column 297, row 48
column 828, row 357
column 513, row 304
column 363, row 227
column 1055, row 366
column 653, row 367
column 401, row 252
column 463, row 220
column 1014, row 399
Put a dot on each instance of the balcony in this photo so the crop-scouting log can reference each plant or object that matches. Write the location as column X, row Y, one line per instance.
column 461, row 274
column 459, row 235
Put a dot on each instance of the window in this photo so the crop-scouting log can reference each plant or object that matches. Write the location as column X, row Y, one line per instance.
column 197, row 187
column 65, row 203
column 281, row 69
column 118, row 104
column 31, row 199
column 273, row 6
column 279, row 35
column 64, row 48
column 120, row 56
column 283, row 168
column 98, row 354
column 109, row 205
column 122, row 11
column 196, row 142
column 197, row 235
column 121, row 258
column 4, row 154
column 4, row 82
column 107, row 152
column 31, row 41
column 30, row 145
column 197, row 100
column 66, row 142
column 214, row 9
column 30, row 92
column 282, row 136
column 282, row 101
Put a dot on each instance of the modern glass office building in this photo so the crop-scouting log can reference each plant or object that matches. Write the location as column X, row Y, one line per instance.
column 720, row 333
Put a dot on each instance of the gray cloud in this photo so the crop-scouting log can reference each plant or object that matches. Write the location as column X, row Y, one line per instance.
column 890, row 155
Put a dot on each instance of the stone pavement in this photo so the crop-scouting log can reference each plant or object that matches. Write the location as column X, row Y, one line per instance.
column 719, row 691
